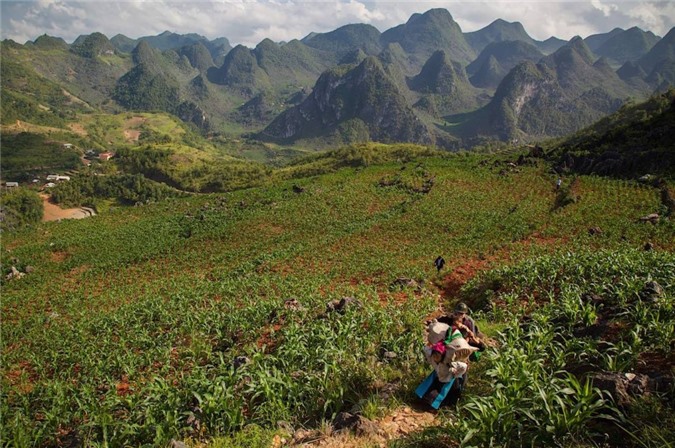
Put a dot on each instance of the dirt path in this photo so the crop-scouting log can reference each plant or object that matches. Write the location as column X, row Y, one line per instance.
column 400, row 423
column 54, row 213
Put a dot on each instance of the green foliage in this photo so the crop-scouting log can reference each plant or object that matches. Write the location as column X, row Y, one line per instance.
column 251, row 436
column 26, row 154
column 357, row 155
column 127, row 331
column 196, row 172
column 92, row 46
column 534, row 400
column 633, row 141
column 27, row 96
column 19, row 207
column 143, row 88
column 128, row 189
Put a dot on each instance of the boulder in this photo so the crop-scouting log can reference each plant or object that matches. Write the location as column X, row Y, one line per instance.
column 614, row 384
column 623, row 386
column 346, row 421
column 651, row 292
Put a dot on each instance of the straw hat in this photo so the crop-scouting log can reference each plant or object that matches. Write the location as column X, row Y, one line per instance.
column 460, row 350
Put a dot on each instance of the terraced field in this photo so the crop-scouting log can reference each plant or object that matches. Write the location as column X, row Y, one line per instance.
column 195, row 318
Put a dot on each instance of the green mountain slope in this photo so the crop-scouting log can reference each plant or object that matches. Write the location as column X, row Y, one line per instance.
column 233, row 94
column 629, row 45
column 658, row 62
column 445, row 85
column 563, row 93
column 89, row 79
column 92, row 46
column 633, row 141
column 596, row 41
column 498, row 31
column 346, row 39
column 167, row 40
column 356, row 104
column 219, row 308
column 497, row 59
column 426, row 33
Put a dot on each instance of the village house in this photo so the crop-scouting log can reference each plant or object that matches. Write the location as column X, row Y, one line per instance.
column 105, row 156
column 11, row 184
column 68, row 145
column 57, row 177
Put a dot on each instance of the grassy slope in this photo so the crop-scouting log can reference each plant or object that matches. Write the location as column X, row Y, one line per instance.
column 130, row 321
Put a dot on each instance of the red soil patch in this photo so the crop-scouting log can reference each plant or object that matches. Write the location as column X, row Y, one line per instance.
column 454, row 281
column 78, row 129
column 22, row 377
column 58, row 257
column 266, row 338
column 132, row 135
column 123, row 387
column 53, row 212
column 387, row 298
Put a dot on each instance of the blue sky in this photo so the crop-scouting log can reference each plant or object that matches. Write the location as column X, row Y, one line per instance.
column 248, row 22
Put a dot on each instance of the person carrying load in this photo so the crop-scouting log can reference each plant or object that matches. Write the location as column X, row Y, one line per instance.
column 448, row 353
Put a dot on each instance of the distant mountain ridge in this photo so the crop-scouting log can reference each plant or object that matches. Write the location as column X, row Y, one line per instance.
column 438, row 85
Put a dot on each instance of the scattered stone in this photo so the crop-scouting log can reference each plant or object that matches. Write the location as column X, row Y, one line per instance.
column 286, row 426
column 365, row 427
column 29, row 269
column 623, row 386
column 304, row 436
column 345, row 420
column 341, row 305
column 595, row 299
column 388, row 355
column 648, row 246
column 652, row 218
column 292, row 304
column 614, row 384
column 15, row 274
column 595, row 231
column 651, row 292
column 177, row 444
column 194, row 422
column 404, row 282
column 361, row 426
column 240, row 361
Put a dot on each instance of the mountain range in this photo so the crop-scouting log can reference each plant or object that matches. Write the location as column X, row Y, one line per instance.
column 424, row 81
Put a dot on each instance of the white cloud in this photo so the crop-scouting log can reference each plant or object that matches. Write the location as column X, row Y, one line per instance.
column 250, row 21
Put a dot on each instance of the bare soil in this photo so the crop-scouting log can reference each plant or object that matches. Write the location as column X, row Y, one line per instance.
column 54, row 213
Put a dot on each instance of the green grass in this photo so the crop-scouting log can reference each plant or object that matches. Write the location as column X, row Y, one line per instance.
column 126, row 330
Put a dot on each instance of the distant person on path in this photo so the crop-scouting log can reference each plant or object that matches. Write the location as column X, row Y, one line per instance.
column 558, row 183
column 439, row 263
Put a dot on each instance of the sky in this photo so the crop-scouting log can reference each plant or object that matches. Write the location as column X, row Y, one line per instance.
column 248, row 22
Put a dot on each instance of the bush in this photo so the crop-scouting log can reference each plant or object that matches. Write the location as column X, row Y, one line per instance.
column 18, row 208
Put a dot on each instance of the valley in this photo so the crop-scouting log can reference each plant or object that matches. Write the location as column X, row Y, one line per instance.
column 257, row 264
